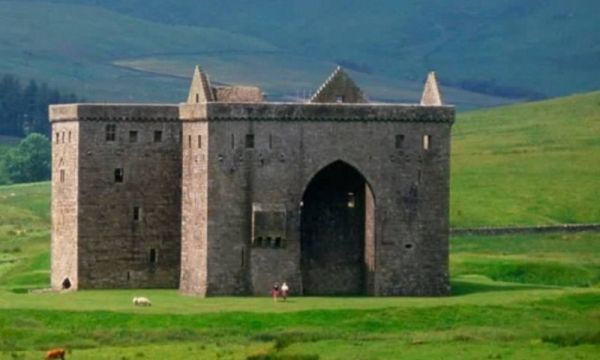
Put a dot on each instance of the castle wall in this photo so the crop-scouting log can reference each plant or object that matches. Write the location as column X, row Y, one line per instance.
column 194, row 204
column 410, row 187
column 65, row 181
column 129, row 228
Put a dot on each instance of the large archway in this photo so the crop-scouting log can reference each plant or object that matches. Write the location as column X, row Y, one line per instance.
column 337, row 233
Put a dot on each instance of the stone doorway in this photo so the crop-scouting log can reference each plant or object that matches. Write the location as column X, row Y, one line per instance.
column 337, row 233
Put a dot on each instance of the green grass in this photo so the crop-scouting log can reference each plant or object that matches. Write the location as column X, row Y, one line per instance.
column 528, row 164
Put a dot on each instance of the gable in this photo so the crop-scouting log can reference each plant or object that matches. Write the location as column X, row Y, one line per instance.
column 339, row 88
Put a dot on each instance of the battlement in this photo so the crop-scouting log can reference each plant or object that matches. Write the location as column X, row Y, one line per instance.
column 114, row 112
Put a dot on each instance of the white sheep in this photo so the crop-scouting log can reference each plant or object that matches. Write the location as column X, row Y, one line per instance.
column 141, row 301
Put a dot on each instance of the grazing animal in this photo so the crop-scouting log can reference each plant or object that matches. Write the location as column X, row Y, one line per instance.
column 55, row 354
column 141, row 301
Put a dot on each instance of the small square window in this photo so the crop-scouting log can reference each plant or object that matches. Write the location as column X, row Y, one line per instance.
column 426, row 142
column 119, row 174
column 137, row 213
column 133, row 136
column 111, row 132
column 153, row 256
column 399, row 141
column 157, row 136
column 249, row 141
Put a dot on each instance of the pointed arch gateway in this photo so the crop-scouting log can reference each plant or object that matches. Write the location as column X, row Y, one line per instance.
column 337, row 233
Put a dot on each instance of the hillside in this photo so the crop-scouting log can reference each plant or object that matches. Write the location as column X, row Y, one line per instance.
column 535, row 163
column 144, row 50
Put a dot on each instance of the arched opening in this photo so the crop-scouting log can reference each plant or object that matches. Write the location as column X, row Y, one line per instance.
column 66, row 284
column 337, row 233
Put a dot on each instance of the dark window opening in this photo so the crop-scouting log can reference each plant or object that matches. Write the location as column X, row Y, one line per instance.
column 63, row 137
column 232, row 141
column 270, row 141
column 339, row 99
column 69, row 137
column 199, row 141
column 258, row 242
column 249, row 141
column 128, row 275
column 278, row 242
column 419, row 176
column 426, row 142
column 111, row 131
column 157, row 136
column 57, row 137
column 408, row 246
column 153, row 258
column 133, row 136
column 190, row 141
column 243, row 256
column 399, row 141
column 66, row 284
column 197, row 98
column 62, row 175
column 137, row 213
column 119, row 174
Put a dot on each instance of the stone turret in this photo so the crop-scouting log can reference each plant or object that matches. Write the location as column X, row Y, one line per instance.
column 431, row 93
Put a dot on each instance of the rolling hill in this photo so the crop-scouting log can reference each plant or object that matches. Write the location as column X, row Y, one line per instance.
column 486, row 53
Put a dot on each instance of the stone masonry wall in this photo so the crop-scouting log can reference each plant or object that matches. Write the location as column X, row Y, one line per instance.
column 129, row 229
column 384, row 143
column 65, row 181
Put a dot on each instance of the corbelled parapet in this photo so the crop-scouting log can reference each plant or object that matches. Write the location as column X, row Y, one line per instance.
column 114, row 112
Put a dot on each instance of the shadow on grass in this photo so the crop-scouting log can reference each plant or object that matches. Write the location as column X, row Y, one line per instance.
column 466, row 287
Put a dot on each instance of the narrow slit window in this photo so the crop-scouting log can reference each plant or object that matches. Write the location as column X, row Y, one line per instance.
column 232, row 141
column 69, row 137
column 197, row 98
column 157, row 136
column 243, row 256
column 153, row 256
column 62, row 175
column 399, row 141
column 111, row 132
column 119, row 174
column 190, row 141
column 133, row 136
column 199, row 141
column 426, row 142
column 419, row 176
column 57, row 137
column 249, row 141
column 137, row 213
column 63, row 137
column 270, row 141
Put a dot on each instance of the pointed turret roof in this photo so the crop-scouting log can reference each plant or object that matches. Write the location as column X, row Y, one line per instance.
column 338, row 87
column 200, row 89
column 431, row 92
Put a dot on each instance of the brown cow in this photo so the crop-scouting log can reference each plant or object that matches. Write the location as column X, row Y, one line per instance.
column 55, row 354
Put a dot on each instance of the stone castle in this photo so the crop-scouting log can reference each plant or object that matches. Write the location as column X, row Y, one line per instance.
column 226, row 193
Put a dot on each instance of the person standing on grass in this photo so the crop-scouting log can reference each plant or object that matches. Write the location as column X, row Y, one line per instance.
column 275, row 292
column 284, row 290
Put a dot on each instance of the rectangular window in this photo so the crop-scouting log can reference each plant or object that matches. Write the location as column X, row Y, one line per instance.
column 426, row 142
column 62, row 175
column 111, row 131
column 249, row 141
column 69, row 137
column 119, row 174
column 133, row 136
column 199, row 141
column 153, row 256
column 399, row 141
column 157, row 136
column 137, row 213
column 63, row 137
column 57, row 137
column 190, row 141
column 270, row 141
column 232, row 141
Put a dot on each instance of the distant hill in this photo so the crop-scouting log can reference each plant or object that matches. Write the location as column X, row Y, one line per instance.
column 534, row 163
column 486, row 53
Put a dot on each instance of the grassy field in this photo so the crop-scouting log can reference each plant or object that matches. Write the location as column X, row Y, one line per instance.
column 535, row 163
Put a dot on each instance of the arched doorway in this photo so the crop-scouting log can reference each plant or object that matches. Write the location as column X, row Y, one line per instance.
column 337, row 233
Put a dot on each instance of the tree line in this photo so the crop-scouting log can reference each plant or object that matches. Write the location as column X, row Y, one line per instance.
column 24, row 108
